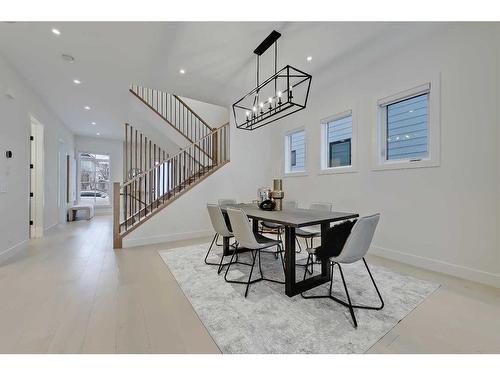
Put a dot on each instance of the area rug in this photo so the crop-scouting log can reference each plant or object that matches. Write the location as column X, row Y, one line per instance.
column 268, row 321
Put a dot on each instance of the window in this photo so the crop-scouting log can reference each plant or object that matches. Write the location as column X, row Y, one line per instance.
column 408, row 129
column 336, row 139
column 94, row 179
column 295, row 152
column 337, row 143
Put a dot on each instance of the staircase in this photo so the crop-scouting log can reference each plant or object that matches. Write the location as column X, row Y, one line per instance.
column 153, row 179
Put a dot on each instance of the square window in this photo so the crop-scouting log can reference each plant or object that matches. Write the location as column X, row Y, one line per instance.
column 337, row 133
column 295, row 152
column 408, row 134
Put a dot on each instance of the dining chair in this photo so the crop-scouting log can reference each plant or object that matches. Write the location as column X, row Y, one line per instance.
column 355, row 248
column 225, row 201
column 249, row 241
column 278, row 228
column 314, row 230
column 221, row 230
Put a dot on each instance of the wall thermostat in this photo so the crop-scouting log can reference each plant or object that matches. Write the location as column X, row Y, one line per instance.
column 8, row 154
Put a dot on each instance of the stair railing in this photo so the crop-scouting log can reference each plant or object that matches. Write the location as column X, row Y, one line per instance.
column 140, row 197
column 172, row 109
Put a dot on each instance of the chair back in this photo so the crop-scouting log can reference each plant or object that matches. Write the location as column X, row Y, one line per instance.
column 321, row 206
column 225, row 201
column 242, row 228
column 359, row 241
column 218, row 221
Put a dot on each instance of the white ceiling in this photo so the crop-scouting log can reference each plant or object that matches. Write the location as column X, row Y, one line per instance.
column 217, row 56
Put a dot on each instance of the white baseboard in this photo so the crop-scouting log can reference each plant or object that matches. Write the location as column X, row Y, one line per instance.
column 12, row 248
column 456, row 270
column 131, row 242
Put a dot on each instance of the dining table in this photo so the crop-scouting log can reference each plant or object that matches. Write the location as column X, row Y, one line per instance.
column 291, row 219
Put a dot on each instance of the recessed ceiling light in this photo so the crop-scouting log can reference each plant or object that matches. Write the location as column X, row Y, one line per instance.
column 93, row 123
column 56, row 31
column 68, row 58
column 77, row 81
column 86, row 108
column 98, row 133
column 309, row 58
column 182, row 71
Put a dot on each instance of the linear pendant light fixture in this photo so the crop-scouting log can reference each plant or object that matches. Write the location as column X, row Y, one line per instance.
column 282, row 94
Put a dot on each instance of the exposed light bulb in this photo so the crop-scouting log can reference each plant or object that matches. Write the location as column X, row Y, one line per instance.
column 261, row 105
column 279, row 94
column 87, row 108
column 309, row 58
column 56, row 31
column 254, row 109
column 270, row 100
column 77, row 81
column 247, row 113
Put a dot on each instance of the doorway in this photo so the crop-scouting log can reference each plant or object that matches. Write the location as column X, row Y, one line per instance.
column 36, row 179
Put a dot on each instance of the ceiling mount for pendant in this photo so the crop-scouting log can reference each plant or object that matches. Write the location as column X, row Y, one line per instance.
column 280, row 95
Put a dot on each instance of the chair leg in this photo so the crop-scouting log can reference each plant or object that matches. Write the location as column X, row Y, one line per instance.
column 349, row 303
column 210, row 248
column 307, row 266
column 260, row 265
column 376, row 288
column 250, row 276
column 351, row 310
column 298, row 243
column 282, row 260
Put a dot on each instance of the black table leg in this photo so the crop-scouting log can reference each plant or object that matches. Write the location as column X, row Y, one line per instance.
column 290, row 261
column 225, row 246
column 325, row 263
column 255, row 225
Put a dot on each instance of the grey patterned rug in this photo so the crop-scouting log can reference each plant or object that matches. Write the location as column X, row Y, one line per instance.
column 268, row 321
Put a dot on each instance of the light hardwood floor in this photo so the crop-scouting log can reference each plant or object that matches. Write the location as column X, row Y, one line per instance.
column 71, row 293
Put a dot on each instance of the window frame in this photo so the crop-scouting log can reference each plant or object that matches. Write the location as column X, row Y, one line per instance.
column 287, row 153
column 79, row 179
column 432, row 159
column 324, row 149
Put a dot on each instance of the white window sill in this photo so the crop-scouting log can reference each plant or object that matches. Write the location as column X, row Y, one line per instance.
column 404, row 164
column 295, row 174
column 338, row 170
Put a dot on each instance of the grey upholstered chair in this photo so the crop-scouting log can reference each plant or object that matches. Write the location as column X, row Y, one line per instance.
column 314, row 230
column 225, row 201
column 354, row 249
column 220, row 228
column 248, row 241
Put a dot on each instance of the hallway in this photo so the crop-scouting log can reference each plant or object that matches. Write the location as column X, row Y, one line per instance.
column 70, row 293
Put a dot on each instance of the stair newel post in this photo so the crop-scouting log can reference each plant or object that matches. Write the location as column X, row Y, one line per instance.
column 117, row 238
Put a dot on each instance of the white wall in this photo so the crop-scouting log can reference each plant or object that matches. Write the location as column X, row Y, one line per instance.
column 214, row 115
column 111, row 147
column 14, row 135
column 444, row 218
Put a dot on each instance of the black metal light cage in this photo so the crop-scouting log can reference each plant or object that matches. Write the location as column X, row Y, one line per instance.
column 280, row 95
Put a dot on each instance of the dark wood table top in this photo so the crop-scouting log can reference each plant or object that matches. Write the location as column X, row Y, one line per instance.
column 292, row 217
